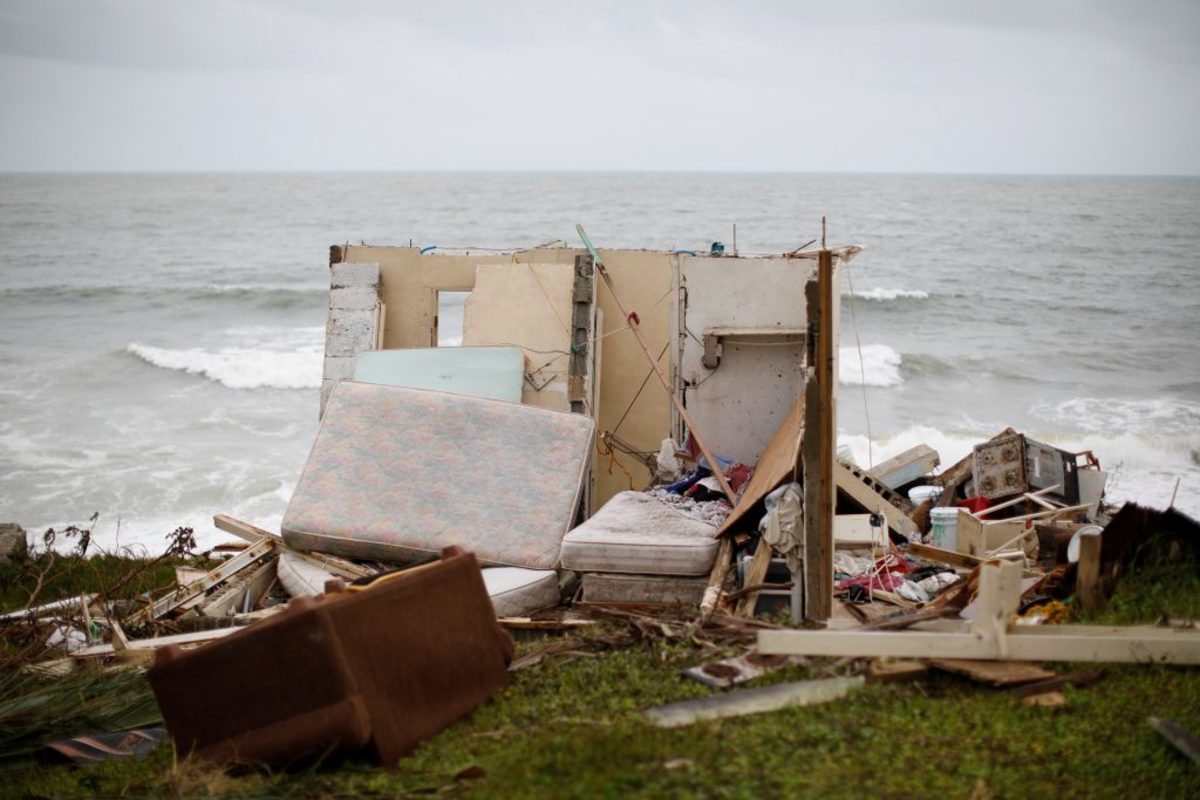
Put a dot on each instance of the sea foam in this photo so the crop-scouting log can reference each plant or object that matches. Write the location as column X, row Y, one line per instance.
column 881, row 295
column 880, row 366
column 283, row 358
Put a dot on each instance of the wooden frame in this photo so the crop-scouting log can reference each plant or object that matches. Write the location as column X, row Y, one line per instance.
column 990, row 635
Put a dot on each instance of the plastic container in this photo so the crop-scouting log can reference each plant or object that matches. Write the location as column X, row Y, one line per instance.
column 945, row 528
column 919, row 494
column 974, row 504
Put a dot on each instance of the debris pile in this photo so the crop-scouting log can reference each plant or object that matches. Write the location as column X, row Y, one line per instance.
column 449, row 500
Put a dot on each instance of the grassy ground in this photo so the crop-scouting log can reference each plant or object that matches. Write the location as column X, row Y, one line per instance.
column 571, row 727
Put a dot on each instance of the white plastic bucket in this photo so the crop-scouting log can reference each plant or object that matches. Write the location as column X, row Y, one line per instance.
column 945, row 528
column 919, row 494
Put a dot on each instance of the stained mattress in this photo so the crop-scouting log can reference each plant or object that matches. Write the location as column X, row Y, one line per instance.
column 396, row 474
column 635, row 533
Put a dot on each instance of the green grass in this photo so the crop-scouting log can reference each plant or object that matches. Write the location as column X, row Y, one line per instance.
column 573, row 728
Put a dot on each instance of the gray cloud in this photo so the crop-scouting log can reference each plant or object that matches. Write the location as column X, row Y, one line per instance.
column 1073, row 86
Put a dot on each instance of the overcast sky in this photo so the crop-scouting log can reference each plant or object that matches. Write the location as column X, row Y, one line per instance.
column 1068, row 86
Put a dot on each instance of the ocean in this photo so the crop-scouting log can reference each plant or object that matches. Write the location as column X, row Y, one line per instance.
column 160, row 352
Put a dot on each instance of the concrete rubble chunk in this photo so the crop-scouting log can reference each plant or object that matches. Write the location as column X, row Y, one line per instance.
column 344, row 275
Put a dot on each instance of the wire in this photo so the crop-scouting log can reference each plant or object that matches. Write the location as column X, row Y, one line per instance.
column 645, row 380
column 862, row 373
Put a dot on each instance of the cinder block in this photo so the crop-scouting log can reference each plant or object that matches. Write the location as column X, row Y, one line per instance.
column 344, row 275
column 356, row 298
column 339, row 368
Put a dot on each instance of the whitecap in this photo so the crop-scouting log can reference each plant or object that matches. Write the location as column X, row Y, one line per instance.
column 239, row 367
column 880, row 366
column 881, row 295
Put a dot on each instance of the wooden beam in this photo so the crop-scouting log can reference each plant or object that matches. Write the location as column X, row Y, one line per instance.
column 755, row 575
column 819, row 560
column 1087, row 573
column 990, row 636
column 581, row 321
column 252, row 533
column 870, row 499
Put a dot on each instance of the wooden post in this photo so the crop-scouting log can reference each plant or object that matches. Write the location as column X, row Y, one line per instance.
column 581, row 317
column 1087, row 573
column 818, row 453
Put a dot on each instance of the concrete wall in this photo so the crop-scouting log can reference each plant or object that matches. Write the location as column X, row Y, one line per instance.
column 737, row 406
column 645, row 279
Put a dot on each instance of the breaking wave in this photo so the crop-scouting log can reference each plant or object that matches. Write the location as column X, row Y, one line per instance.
column 880, row 366
column 881, row 295
column 1158, row 415
column 287, row 358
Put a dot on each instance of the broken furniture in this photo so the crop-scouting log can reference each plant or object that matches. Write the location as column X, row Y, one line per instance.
column 378, row 666
column 397, row 474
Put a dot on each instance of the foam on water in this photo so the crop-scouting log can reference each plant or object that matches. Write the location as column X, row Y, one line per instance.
column 879, row 366
column 1166, row 415
column 289, row 358
column 881, row 295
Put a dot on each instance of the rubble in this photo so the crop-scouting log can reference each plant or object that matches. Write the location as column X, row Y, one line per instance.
column 892, row 570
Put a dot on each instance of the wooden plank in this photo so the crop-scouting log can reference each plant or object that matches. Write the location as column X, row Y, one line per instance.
column 229, row 600
column 1087, row 573
column 581, row 319
column 252, row 533
column 716, row 578
column 755, row 575
column 868, row 498
column 196, row 637
column 776, row 465
column 819, row 560
column 994, row 673
column 1148, row 647
column 906, row 467
column 742, row 702
column 193, row 593
column 962, row 560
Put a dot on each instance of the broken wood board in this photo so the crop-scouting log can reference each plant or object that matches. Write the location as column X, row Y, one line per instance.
column 739, row 669
column 776, row 465
column 951, row 557
column 860, row 489
column 759, row 700
column 193, row 594
column 913, row 463
column 252, row 533
column 242, row 592
column 885, row 670
column 989, row 635
column 994, row 673
column 197, row 637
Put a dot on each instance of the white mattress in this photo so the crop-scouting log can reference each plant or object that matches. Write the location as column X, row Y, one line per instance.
column 516, row 592
column 599, row 587
column 635, row 533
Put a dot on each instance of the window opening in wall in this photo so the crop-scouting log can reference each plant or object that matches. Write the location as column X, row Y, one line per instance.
column 448, row 326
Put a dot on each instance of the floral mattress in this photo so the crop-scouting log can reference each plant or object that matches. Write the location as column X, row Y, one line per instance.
column 396, row 474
